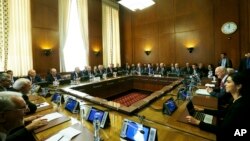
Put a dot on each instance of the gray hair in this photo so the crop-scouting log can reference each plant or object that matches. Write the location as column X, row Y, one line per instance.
column 19, row 83
column 4, row 76
column 6, row 100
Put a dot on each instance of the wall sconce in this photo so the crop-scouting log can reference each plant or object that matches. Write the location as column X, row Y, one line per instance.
column 190, row 49
column 96, row 52
column 147, row 52
column 47, row 52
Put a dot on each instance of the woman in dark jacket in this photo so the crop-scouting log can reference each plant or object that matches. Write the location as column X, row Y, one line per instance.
column 235, row 117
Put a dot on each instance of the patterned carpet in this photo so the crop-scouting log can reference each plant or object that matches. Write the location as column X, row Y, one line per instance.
column 130, row 98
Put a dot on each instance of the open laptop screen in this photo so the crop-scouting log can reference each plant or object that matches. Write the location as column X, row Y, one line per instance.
column 71, row 105
column 169, row 106
column 137, row 131
column 92, row 114
column 133, row 131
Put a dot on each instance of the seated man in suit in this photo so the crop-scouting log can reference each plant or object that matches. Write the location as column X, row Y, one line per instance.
column 110, row 70
column 13, row 79
column 12, row 110
column 100, row 71
column 23, row 85
column 33, row 77
column 187, row 70
column 53, row 76
column 5, row 82
column 76, row 74
column 223, row 97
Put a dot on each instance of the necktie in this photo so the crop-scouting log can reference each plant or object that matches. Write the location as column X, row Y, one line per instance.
column 221, row 84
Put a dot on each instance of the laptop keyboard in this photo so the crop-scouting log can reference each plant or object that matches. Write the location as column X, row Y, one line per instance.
column 200, row 116
column 204, row 117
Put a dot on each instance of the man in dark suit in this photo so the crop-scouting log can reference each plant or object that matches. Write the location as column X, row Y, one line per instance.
column 223, row 98
column 76, row 74
column 53, row 76
column 23, row 85
column 187, row 69
column 5, row 82
column 225, row 61
column 12, row 111
column 245, row 64
column 13, row 78
column 33, row 77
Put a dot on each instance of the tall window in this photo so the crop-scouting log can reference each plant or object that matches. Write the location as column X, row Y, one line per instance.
column 73, row 34
column 111, row 33
column 19, row 39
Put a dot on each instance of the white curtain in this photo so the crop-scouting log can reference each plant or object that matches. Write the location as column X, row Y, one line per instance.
column 64, row 13
column 20, row 47
column 74, row 38
column 82, row 7
column 111, row 33
column 4, row 27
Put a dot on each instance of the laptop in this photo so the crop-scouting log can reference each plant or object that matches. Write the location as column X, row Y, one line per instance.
column 133, row 131
column 169, row 106
column 88, row 113
column 198, row 115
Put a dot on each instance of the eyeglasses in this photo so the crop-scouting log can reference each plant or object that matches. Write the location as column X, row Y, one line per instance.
column 22, row 109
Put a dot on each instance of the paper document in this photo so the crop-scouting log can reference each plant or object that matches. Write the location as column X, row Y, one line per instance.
column 64, row 135
column 210, row 85
column 52, row 116
column 40, row 105
column 202, row 92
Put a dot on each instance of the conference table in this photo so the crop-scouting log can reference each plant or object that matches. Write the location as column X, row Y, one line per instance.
column 150, row 114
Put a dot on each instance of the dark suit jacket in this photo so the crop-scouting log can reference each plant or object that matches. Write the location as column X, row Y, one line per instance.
column 36, row 79
column 50, row 78
column 73, row 75
column 234, row 118
column 31, row 105
column 20, row 134
column 228, row 63
column 243, row 65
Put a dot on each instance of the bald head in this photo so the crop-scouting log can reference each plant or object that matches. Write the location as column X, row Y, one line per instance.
column 220, row 72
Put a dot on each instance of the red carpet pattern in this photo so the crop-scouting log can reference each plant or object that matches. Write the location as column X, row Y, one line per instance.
column 130, row 98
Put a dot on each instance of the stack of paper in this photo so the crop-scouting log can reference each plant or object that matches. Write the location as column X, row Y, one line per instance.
column 210, row 85
column 202, row 92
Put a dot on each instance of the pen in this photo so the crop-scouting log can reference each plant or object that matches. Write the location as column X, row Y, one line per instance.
column 60, row 138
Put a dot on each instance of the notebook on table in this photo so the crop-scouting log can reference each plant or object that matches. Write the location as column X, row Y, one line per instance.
column 53, row 120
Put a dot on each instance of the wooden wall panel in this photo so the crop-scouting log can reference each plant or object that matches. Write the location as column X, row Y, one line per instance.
column 171, row 25
column 44, row 18
column 165, row 27
column 95, row 31
column 125, row 37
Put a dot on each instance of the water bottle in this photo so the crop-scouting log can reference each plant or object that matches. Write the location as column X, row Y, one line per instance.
column 58, row 103
column 96, row 124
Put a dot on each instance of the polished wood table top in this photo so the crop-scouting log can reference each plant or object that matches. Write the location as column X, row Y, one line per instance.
column 168, row 127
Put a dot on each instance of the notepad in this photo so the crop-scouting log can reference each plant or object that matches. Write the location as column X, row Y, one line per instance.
column 202, row 92
column 44, row 104
column 64, row 135
column 52, row 116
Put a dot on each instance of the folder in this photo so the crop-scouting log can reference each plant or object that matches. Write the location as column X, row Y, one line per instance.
column 52, row 123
